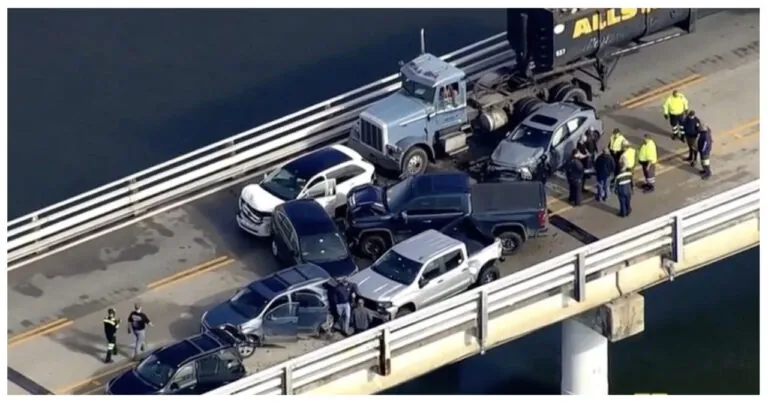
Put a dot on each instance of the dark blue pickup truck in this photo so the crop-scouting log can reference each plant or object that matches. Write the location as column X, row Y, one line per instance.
column 379, row 217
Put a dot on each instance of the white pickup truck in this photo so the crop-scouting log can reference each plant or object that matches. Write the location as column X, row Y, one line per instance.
column 325, row 175
column 423, row 270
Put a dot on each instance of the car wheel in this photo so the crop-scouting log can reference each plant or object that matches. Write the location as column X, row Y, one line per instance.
column 415, row 162
column 510, row 242
column 373, row 246
column 403, row 312
column 246, row 349
column 488, row 275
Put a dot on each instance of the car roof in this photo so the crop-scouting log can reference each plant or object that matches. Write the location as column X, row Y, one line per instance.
column 182, row 351
column 308, row 217
column 440, row 183
column 425, row 245
column 286, row 280
column 308, row 165
column 551, row 116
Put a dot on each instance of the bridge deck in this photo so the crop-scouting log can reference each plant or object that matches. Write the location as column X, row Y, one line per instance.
column 179, row 263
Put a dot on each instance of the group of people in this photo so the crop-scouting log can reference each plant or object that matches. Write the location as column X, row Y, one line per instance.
column 138, row 322
column 349, row 319
column 614, row 167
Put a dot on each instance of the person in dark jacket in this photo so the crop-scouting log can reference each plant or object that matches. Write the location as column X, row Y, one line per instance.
column 138, row 322
column 343, row 296
column 604, row 168
column 361, row 319
column 704, row 146
column 691, row 129
column 585, row 152
column 574, row 172
column 111, row 324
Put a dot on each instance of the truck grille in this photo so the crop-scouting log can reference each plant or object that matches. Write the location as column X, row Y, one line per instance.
column 370, row 135
column 251, row 213
column 370, row 304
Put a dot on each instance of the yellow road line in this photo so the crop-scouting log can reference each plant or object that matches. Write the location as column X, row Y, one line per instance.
column 659, row 90
column 655, row 97
column 38, row 331
column 199, row 269
column 737, row 132
column 95, row 379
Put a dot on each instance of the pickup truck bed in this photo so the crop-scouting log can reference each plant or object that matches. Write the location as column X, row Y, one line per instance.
column 508, row 196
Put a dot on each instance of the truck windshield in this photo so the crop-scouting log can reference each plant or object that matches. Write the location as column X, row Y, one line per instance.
column 397, row 195
column 397, row 268
column 284, row 184
column 530, row 137
column 419, row 91
column 323, row 248
column 248, row 303
column 154, row 371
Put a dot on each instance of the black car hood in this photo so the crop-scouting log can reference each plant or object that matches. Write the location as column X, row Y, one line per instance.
column 367, row 195
column 129, row 383
column 339, row 268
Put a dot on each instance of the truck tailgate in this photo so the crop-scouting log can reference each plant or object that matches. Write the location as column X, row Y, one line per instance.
column 506, row 196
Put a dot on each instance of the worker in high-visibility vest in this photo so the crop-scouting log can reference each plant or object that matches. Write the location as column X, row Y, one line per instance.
column 616, row 146
column 627, row 159
column 647, row 157
column 675, row 108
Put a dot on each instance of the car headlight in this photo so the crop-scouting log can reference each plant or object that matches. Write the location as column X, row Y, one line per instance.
column 393, row 150
column 384, row 305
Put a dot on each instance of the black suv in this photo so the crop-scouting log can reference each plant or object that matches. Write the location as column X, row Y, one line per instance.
column 379, row 217
column 192, row 366
column 303, row 232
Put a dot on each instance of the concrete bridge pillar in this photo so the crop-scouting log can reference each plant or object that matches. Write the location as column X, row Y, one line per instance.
column 585, row 340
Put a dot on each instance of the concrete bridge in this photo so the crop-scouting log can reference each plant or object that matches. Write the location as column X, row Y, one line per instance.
column 188, row 255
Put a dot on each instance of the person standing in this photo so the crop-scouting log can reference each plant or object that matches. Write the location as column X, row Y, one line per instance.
column 624, row 192
column 111, row 324
column 361, row 319
column 138, row 322
column 647, row 157
column 586, row 156
column 604, row 168
column 616, row 146
column 691, row 129
column 675, row 107
column 343, row 296
column 574, row 172
column 704, row 146
column 627, row 159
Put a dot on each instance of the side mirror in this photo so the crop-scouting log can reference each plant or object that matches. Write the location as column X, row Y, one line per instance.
column 423, row 282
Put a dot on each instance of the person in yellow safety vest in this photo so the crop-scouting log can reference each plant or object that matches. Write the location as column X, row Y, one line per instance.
column 616, row 146
column 647, row 157
column 627, row 159
column 675, row 108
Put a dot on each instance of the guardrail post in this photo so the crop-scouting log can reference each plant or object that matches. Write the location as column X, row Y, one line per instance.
column 288, row 380
column 482, row 320
column 133, row 189
column 580, row 283
column 37, row 229
column 385, row 354
column 677, row 239
column 232, row 153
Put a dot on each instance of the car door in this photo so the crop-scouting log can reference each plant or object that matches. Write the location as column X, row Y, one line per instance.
column 311, row 311
column 431, row 283
column 230, row 367
column 558, row 153
column 450, row 107
column 433, row 212
column 184, row 380
column 281, row 323
column 207, row 373
column 456, row 277
column 348, row 176
column 322, row 190
column 281, row 237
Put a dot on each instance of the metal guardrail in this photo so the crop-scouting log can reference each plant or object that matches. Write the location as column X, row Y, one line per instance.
column 214, row 167
column 472, row 310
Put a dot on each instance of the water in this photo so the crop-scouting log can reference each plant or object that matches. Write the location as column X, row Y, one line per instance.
column 97, row 95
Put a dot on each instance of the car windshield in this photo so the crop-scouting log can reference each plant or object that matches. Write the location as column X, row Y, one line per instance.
column 327, row 247
column 284, row 184
column 155, row 372
column 419, row 91
column 248, row 303
column 530, row 137
column 397, row 267
column 397, row 195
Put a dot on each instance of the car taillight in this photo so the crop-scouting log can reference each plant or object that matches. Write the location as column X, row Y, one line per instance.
column 542, row 216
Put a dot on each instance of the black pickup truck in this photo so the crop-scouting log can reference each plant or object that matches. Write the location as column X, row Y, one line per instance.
column 379, row 217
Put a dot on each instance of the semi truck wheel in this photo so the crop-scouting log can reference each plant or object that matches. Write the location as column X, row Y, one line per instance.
column 527, row 106
column 414, row 162
column 567, row 92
